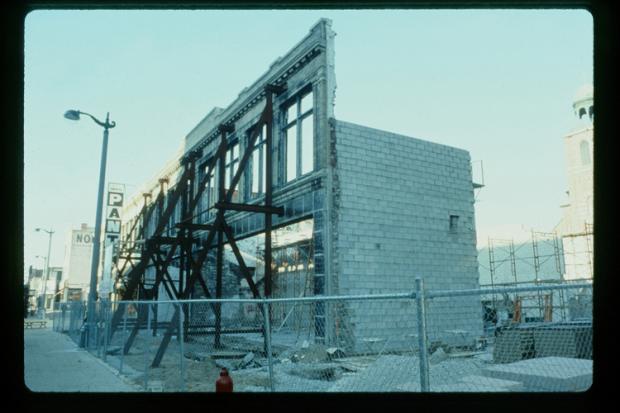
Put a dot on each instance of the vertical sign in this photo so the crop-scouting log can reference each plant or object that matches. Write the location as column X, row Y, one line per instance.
column 116, row 193
column 114, row 205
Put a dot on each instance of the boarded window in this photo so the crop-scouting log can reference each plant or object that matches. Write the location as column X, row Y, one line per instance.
column 454, row 223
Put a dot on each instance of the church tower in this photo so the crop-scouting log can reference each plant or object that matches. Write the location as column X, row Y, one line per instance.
column 576, row 225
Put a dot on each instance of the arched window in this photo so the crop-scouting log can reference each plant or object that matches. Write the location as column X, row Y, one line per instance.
column 591, row 112
column 582, row 111
column 584, row 147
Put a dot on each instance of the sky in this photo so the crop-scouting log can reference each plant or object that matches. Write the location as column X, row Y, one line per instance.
column 498, row 83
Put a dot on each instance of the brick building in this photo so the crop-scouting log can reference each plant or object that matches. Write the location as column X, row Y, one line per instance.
column 365, row 211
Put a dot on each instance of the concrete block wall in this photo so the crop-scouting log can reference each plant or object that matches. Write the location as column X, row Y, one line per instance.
column 395, row 198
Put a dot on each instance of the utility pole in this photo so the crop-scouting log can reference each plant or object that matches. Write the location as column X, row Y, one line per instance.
column 47, row 271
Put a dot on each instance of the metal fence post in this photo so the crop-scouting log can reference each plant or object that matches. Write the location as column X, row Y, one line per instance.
column 181, row 323
column 97, row 319
column 268, row 342
column 120, row 370
column 106, row 338
column 146, row 347
column 424, row 367
column 62, row 325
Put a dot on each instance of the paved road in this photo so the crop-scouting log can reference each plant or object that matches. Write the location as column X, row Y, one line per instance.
column 53, row 363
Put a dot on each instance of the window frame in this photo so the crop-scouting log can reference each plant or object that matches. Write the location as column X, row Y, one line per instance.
column 208, row 197
column 230, row 162
column 297, row 123
column 584, row 152
column 261, row 146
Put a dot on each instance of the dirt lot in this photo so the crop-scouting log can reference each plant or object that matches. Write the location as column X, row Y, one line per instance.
column 302, row 369
column 200, row 369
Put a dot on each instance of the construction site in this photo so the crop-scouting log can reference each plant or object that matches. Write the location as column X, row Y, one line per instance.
column 272, row 197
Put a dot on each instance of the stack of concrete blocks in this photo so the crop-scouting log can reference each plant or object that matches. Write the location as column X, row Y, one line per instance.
column 525, row 341
column 564, row 341
column 514, row 344
column 396, row 198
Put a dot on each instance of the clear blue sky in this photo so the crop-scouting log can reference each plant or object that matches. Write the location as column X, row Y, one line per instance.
column 497, row 83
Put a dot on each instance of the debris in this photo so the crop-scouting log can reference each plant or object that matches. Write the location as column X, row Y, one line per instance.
column 460, row 354
column 246, row 360
column 485, row 357
column 315, row 353
column 196, row 356
column 222, row 363
column 334, row 353
column 228, row 355
column 438, row 356
column 319, row 371
column 380, row 375
column 155, row 386
column 113, row 350
column 349, row 367
column 305, row 344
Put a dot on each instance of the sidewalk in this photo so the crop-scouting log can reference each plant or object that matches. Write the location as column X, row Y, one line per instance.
column 54, row 363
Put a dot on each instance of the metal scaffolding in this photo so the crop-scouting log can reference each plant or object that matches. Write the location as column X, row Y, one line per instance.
column 503, row 252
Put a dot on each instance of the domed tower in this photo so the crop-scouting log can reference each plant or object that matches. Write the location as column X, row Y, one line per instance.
column 583, row 103
column 576, row 225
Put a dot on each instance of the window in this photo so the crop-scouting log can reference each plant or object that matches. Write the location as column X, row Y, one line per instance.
column 582, row 112
column 584, row 148
column 257, row 178
column 454, row 222
column 299, row 133
column 230, row 167
column 209, row 195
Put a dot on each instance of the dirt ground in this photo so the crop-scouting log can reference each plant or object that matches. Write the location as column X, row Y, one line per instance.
column 297, row 370
column 200, row 370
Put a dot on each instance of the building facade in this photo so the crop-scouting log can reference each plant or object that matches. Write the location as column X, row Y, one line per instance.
column 577, row 220
column 363, row 210
column 77, row 261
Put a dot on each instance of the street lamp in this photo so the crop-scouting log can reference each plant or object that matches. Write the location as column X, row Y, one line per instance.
column 75, row 115
column 47, row 269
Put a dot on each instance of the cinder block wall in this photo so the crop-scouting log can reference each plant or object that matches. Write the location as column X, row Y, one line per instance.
column 395, row 196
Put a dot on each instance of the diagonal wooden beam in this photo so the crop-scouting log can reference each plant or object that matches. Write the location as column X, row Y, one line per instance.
column 195, row 274
column 142, row 315
column 164, row 274
column 134, row 275
column 244, row 269
column 203, row 182
column 219, row 224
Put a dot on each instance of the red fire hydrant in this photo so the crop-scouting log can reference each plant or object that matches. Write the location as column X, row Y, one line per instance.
column 224, row 384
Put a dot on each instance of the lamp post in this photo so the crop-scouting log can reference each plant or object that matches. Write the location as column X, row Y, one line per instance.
column 47, row 269
column 90, row 320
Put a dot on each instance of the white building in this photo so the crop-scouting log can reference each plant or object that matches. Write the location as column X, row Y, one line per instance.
column 575, row 227
column 78, row 257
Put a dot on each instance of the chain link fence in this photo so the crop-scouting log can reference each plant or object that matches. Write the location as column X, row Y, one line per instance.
column 533, row 338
